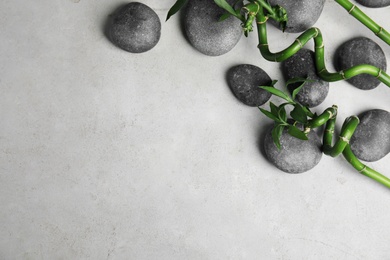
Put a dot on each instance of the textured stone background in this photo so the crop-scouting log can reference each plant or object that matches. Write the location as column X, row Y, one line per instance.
column 110, row 155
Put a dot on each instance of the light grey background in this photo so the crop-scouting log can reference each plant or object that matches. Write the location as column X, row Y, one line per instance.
column 106, row 154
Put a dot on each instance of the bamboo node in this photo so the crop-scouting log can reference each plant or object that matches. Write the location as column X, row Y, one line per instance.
column 350, row 10
column 363, row 169
column 379, row 74
column 380, row 31
column 342, row 74
column 324, row 69
column 258, row 7
column 263, row 22
column 299, row 42
column 262, row 45
column 344, row 139
column 330, row 113
column 317, row 32
column 321, row 46
column 329, row 131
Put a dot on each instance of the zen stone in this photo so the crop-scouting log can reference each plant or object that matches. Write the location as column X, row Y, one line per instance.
column 295, row 155
column 244, row 81
column 204, row 30
column 374, row 3
column 302, row 14
column 371, row 140
column 135, row 28
column 357, row 51
column 302, row 65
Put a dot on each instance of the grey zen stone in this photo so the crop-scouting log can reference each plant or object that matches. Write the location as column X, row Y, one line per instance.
column 244, row 81
column 302, row 14
column 374, row 3
column 135, row 28
column 361, row 50
column 371, row 140
column 302, row 65
column 204, row 30
column 295, row 155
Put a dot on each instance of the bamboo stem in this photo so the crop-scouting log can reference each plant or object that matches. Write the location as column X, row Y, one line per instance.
column 342, row 146
column 315, row 34
column 364, row 169
column 365, row 20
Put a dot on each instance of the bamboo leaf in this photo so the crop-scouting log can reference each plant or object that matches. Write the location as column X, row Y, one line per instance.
column 299, row 114
column 295, row 80
column 175, row 8
column 303, row 81
column 278, row 93
column 308, row 112
column 274, row 108
column 224, row 17
column 270, row 115
column 294, row 131
column 282, row 112
column 296, row 91
column 276, row 134
column 225, row 5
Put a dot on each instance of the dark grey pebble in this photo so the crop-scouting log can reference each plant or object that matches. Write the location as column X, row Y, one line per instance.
column 302, row 14
column 295, row 155
column 371, row 140
column 204, row 30
column 135, row 28
column 302, row 65
column 244, row 81
column 361, row 50
column 374, row 3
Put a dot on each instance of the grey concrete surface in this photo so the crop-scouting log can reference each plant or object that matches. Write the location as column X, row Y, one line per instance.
column 106, row 154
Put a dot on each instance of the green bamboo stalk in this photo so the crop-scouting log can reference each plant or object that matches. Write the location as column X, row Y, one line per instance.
column 323, row 118
column 342, row 146
column 364, row 19
column 300, row 42
column 364, row 169
column 347, row 131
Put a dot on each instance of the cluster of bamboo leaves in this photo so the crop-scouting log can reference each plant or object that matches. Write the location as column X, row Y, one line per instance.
column 299, row 114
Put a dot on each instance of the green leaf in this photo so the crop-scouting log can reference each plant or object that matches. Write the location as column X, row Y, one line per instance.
column 276, row 134
column 224, row 17
column 225, row 5
column 175, row 8
column 295, row 80
column 308, row 112
column 297, row 89
column 294, row 131
column 270, row 115
column 299, row 114
column 274, row 108
column 282, row 112
column 278, row 93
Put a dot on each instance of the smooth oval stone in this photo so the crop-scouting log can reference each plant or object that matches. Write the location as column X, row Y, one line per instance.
column 371, row 140
column 302, row 65
column 135, row 28
column 361, row 50
column 244, row 81
column 302, row 14
column 295, row 155
column 205, row 33
column 374, row 3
